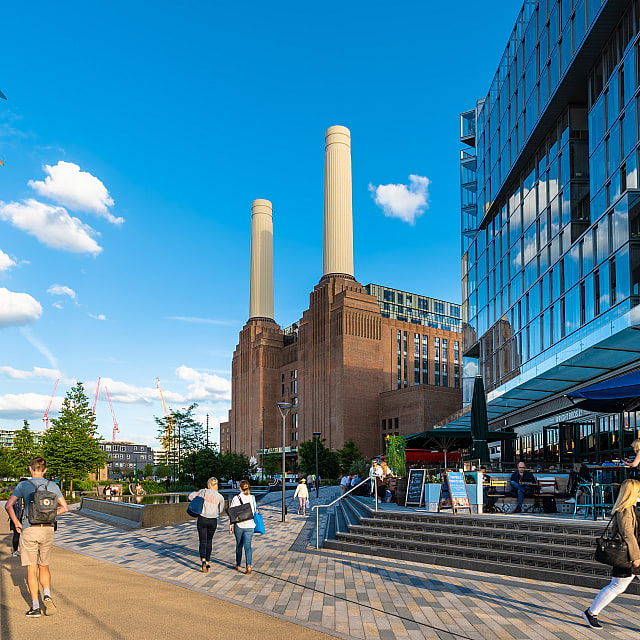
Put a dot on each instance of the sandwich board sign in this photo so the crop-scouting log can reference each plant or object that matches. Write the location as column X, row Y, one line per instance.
column 415, row 487
column 454, row 492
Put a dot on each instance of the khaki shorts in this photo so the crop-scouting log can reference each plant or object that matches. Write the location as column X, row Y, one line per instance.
column 35, row 546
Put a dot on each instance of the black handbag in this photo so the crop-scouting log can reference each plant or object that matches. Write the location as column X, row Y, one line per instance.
column 612, row 549
column 240, row 513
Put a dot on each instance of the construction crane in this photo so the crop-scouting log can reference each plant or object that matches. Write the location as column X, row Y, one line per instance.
column 168, row 423
column 95, row 399
column 45, row 418
column 113, row 415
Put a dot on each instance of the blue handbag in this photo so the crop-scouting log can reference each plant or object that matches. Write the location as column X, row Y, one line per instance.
column 259, row 520
column 195, row 507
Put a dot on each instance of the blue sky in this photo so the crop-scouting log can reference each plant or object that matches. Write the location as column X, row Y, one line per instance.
column 134, row 140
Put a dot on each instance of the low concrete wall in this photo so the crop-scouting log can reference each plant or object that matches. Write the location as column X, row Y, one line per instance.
column 134, row 516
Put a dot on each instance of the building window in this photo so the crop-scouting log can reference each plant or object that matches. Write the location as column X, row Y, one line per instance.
column 399, row 351
column 425, row 359
column 416, row 358
column 404, row 353
column 108, row 447
column 436, row 361
column 389, row 296
column 294, row 402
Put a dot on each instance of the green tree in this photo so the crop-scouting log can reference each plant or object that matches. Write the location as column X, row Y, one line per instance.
column 23, row 450
column 71, row 445
column 148, row 470
column 272, row 463
column 180, row 434
column 163, row 471
column 202, row 465
column 235, row 466
column 6, row 467
column 328, row 461
column 348, row 455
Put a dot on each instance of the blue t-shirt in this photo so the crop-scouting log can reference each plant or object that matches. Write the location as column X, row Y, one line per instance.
column 25, row 490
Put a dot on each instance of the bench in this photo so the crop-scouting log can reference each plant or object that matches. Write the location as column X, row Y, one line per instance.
column 502, row 498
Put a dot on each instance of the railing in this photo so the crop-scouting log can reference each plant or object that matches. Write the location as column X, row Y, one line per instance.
column 344, row 495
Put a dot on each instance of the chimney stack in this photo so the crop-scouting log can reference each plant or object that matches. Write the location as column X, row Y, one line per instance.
column 338, row 218
column 261, row 286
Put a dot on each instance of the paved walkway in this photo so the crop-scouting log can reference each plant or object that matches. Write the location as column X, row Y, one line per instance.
column 344, row 595
column 347, row 595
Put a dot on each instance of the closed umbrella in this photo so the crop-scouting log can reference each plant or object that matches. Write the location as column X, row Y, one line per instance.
column 479, row 422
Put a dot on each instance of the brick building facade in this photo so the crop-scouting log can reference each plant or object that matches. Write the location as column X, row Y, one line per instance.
column 362, row 362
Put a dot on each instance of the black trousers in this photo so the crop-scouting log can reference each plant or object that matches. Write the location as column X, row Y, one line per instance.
column 15, row 541
column 206, row 529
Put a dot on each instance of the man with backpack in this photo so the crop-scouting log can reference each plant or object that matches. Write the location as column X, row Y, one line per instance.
column 43, row 502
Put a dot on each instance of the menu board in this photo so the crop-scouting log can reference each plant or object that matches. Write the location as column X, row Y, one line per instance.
column 415, row 486
column 454, row 492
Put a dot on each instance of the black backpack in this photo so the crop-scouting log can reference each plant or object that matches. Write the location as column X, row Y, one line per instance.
column 43, row 506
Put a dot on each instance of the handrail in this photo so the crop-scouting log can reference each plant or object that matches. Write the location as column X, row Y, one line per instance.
column 344, row 495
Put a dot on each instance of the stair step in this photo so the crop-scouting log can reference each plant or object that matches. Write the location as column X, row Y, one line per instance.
column 567, row 564
column 484, row 565
column 515, row 546
column 532, row 537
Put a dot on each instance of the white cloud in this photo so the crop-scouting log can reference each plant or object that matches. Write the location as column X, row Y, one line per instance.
column 53, row 226
column 6, row 262
column 40, row 346
column 22, row 406
column 78, row 190
column 192, row 320
column 406, row 202
column 36, row 372
column 204, row 386
column 58, row 305
column 100, row 316
column 130, row 394
column 61, row 290
column 18, row 308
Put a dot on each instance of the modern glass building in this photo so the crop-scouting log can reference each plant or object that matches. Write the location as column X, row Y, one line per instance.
column 550, row 200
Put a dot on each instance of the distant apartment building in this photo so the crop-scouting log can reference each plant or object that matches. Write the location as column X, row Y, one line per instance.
column 7, row 436
column 126, row 457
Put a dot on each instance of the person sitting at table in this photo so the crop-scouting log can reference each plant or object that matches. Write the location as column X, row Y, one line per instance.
column 634, row 472
column 522, row 481
column 489, row 502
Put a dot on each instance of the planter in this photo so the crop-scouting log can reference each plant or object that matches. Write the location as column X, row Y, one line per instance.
column 400, row 491
column 432, row 493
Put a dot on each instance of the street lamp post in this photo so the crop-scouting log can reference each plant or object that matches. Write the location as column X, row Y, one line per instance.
column 316, row 437
column 284, row 409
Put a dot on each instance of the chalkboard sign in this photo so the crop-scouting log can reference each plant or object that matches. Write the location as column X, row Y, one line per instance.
column 415, row 486
column 454, row 492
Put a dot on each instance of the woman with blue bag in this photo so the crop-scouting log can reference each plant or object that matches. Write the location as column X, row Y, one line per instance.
column 207, row 504
column 245, row 529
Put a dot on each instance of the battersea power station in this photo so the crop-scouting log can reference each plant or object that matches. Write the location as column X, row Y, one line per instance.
column 363, row 361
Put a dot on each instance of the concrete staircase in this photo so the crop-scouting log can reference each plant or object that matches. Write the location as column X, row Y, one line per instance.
column 540, row 548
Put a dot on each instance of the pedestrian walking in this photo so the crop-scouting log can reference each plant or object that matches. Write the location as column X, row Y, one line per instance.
column 625, row 523
column 208, row 520
column 43, row 502
column 345, row 483
column 243, row 531
column 302, row 493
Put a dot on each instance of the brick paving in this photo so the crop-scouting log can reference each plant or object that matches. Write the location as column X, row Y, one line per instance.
column 349, row 595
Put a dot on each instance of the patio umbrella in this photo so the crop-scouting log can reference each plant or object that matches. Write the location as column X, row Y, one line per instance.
column 479, row 422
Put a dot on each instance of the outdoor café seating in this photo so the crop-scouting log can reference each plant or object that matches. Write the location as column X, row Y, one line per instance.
column 543, row 496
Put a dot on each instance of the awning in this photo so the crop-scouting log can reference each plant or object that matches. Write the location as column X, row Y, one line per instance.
column 461, row 435
column 616, row 394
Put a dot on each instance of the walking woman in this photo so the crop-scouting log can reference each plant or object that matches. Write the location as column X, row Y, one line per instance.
column 302, row 493
column 243, row 531
column 208, row 519
column 624, row 522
